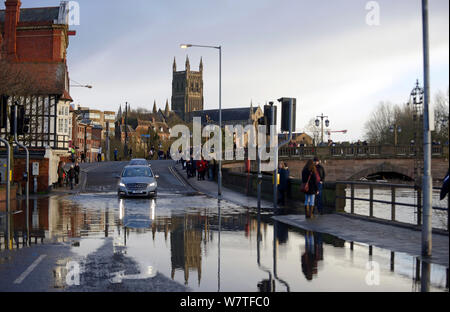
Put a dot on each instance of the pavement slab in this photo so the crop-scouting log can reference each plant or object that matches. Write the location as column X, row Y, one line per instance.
column 390, row 237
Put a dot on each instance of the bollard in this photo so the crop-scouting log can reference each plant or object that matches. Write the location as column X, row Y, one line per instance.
column 371, row 200
column 393, row 203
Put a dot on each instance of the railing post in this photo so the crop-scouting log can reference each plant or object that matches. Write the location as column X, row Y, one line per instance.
column 352, row 188
column 371, row 200
column 393, row 203
column 419, row 206
column 448, row 210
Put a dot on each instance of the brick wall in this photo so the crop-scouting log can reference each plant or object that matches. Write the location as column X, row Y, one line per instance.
column 42, row 179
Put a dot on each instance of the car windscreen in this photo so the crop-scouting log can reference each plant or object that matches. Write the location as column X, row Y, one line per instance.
column 138, row 162
column 137, row 172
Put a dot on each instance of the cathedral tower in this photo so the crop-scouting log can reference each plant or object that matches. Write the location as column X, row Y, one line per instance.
column 187, row 90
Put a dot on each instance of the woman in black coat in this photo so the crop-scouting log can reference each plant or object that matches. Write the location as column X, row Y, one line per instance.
column 309, row 176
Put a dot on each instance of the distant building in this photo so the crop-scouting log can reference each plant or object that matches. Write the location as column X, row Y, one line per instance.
column 187, row 90
column 231, row 116
column 299, row 138
column 99, row 118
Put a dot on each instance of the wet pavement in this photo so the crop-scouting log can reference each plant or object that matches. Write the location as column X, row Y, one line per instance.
column 186, row 241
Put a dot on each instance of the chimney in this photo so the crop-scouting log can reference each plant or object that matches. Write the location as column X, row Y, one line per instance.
column 12, row 15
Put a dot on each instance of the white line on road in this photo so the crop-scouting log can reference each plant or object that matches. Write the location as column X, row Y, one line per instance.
column 175, row 174
column 29, row 270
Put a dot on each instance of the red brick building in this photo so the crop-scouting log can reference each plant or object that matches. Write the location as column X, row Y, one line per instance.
column 34, row 41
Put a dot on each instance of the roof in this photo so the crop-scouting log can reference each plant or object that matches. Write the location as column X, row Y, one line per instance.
column 39, row 78
column 230, row 114
column 46, row 14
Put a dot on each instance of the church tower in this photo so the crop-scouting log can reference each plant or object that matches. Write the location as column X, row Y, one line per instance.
column 187, row 90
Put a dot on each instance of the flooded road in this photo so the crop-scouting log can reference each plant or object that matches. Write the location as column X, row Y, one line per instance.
column 185, row 241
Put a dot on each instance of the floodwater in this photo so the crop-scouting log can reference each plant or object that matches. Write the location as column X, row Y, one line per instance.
column 186, row 239
column 403, row 213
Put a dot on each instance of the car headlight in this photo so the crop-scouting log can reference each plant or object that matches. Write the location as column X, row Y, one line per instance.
column 152, row 184
column 122, row 184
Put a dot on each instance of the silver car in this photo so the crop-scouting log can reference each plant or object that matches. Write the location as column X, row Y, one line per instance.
column 137, row 181
column 139, row 162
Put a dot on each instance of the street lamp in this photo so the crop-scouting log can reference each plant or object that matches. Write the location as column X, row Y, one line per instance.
column 79, row 85
column 186, row 46
column 318, row 123
column 396, row 130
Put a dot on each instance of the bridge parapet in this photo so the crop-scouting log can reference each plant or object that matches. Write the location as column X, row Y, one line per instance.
column 359, row 152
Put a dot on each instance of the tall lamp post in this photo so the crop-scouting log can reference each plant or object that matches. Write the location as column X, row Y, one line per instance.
column 320, row 122
column 186, row 46
column 427, row 178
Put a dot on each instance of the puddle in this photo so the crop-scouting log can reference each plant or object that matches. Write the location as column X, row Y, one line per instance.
column 184, row 239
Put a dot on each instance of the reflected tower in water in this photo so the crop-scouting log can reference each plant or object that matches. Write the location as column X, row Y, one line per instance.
column 185, row 245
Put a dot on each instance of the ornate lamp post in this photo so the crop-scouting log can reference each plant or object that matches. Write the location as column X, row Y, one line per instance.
column 320, row 122
column 395, row 129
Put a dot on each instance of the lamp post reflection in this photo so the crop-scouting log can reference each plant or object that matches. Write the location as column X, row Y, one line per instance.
column 218, row 252
column 264, row 285
column 275, row 249
column 425, row 280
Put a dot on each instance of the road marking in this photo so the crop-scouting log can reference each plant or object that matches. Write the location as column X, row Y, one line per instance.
column 29, row 270
column 175, row 174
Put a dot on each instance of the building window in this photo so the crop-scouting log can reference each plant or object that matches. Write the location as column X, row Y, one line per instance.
column 60, row 125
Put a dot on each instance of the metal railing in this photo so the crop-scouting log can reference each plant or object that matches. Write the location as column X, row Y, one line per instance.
column 359, row 151
column 393, row 203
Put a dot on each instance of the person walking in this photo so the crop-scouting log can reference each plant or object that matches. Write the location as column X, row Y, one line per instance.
column 309, row 178
column 116, row 152
column 210, row 171
column 83, row 157
column 283, row 171
column 200, row 169
column 61, row 174
column 71, row 176
column 77, row 173
column 320, row 185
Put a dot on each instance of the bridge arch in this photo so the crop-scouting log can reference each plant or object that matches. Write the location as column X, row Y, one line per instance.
column 383, row 168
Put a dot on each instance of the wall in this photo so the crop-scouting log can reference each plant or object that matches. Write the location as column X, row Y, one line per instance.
column 43, row 178
column 248, row 184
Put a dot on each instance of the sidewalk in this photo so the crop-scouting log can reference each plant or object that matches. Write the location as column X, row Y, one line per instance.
column 390, row 237
column 210, row 188
column 84, row 169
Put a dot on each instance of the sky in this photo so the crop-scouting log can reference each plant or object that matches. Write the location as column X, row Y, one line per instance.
column 324, row 53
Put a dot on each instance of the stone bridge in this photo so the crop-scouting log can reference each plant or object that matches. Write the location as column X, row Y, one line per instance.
column 345, row 163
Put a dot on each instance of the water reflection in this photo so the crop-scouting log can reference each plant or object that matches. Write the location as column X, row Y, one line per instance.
column 214, row 247
column 312, row 255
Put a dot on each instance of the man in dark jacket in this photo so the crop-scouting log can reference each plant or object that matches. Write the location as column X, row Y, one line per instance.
column 320, row 185
column 283, row 171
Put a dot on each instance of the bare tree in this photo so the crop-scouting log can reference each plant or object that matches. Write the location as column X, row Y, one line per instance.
column 387, row 116
column 313, row 131
column 441, row 114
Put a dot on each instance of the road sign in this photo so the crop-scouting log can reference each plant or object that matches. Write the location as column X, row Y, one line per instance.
column 35, row 169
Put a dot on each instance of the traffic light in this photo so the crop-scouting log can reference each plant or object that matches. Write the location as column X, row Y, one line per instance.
column 268, row 116
column 23, row 123
column 286, row 102
column 3, row 111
